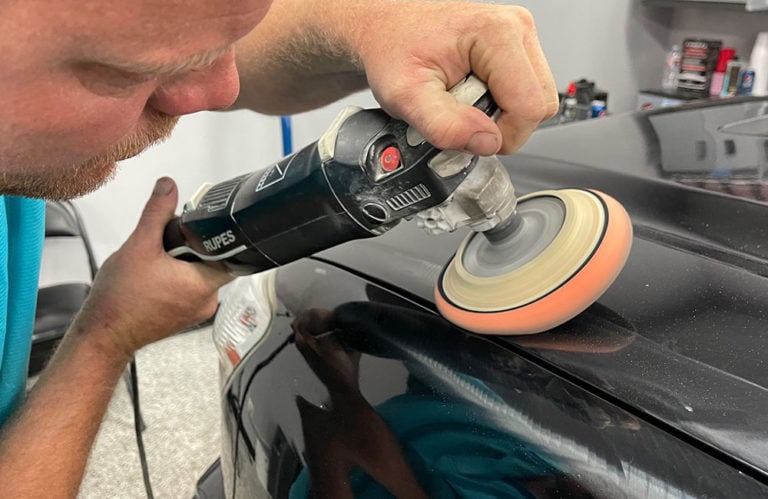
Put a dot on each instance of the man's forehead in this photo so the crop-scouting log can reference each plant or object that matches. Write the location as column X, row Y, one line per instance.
column 151, row 28
column 149, row 8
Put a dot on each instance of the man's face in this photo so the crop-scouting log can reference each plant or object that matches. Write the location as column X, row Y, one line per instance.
column 86, row 83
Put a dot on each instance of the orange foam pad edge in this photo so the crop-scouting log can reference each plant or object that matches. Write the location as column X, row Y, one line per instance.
column 567, row 301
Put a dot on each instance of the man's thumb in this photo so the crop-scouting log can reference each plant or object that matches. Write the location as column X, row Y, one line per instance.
column 161, row 206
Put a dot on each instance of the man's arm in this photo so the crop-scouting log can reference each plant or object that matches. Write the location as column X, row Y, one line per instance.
column 140, row 295
column 307, row 53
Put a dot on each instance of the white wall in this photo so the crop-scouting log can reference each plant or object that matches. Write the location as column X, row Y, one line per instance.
column 618, row 44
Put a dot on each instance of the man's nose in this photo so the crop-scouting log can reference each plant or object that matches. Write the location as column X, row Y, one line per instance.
column 215, row 87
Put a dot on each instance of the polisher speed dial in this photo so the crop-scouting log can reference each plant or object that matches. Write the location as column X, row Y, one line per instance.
column 555, row 256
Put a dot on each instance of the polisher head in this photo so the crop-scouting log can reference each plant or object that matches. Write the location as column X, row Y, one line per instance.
column 552, row 259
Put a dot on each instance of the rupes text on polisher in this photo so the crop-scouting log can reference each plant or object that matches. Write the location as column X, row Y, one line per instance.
column 219, row 241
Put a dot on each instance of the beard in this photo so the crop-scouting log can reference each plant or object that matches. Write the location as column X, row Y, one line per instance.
column 82, row 178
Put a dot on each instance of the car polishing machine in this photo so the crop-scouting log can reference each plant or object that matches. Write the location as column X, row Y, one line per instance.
column 528, row 265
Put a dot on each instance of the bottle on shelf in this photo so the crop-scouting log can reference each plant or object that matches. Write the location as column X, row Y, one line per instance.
column 731, row 81
column 568, row 105
column 758, row 61
column 718, row 77
column 672, row 68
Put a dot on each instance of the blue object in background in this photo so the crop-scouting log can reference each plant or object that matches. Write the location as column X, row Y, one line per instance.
column 285, row 127
column 22, row 229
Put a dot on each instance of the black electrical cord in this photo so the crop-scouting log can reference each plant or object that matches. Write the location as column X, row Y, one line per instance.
column 138, row 424
column 139, row 428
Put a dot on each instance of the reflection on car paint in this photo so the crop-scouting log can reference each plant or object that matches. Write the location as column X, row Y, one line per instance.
column 700, row 147
column 449, row 435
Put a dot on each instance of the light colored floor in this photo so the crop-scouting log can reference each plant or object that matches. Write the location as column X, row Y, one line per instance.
column 180, row 403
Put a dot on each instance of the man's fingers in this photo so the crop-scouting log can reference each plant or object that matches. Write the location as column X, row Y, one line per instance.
column 529, row 97
column 448, row 124
column 522, row 85
column 159, row 210
column 543, row 72
column 520, row 82
column 499, row 44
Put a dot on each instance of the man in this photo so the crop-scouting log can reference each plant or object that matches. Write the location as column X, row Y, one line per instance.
column 85, row 84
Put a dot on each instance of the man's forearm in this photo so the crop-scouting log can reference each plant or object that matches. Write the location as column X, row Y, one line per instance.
column 45, row 446
column 303, row 55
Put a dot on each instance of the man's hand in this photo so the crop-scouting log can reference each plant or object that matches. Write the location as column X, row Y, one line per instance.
column 306, row 54
column 141, row 294
column 415, row 51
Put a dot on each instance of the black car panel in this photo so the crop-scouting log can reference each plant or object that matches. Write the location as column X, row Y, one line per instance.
column 384, row 386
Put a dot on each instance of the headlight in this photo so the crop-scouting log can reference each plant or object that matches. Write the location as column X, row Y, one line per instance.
column 244, row 318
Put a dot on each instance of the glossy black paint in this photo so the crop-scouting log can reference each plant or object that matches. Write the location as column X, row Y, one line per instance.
column 383, row 358
column 659, row 388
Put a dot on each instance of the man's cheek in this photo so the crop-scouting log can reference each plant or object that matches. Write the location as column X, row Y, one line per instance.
column 95, row 124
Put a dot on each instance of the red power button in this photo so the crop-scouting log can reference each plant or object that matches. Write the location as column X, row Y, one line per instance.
column 390, row 159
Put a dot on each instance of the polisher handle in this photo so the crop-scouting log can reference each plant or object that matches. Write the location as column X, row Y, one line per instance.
column 174, row 241
column 361, row 178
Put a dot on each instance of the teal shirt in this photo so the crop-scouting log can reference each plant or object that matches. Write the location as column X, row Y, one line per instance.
column 455, row 449
column 22, row 229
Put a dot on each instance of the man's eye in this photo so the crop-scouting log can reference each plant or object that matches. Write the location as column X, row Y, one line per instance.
column 109, row 81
